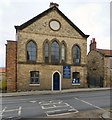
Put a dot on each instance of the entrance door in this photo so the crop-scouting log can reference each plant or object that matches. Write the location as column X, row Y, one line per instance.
column 56, row 81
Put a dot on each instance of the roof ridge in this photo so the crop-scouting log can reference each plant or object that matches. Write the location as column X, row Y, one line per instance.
column 104, row 49
column 106, row 52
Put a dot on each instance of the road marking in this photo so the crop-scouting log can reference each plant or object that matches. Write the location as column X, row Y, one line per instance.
column 54, row 105
column 12, row 113
column 57, row 107
column 28, row 99
column 49, row 113
column 47, row 107
column 56, row 101
column 33, row 101
column 11, row 110
column 20, row 100
column 50, row 102
column 1, row 112
column 89, row 104
column 4, row 109
column 19, row 111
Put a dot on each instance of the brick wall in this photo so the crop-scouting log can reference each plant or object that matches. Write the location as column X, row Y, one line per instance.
column 11, row 65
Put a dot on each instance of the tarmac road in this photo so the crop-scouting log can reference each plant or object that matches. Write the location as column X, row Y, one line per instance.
column 56, row 105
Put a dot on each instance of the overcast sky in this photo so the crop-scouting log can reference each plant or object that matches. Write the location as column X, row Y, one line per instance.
column 90, row 16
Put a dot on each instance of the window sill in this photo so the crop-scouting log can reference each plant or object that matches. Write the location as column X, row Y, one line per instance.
column 34, row 84
column 75, row 84
column 77, row 64
column 31, row 62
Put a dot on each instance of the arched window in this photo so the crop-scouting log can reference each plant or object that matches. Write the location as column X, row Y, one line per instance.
column 46, row 52
column 63, row 53
column 31, row 51
column 55, row 53
column 76, row 55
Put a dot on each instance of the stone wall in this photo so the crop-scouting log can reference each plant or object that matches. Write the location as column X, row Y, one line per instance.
column 23, row 39
column 45, row 77
column 98, row 67
column 107, row 71
column 95, row 67
column 39, row 31
column 41, row 26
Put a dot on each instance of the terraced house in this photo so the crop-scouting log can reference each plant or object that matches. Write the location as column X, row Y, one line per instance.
column 49, row 54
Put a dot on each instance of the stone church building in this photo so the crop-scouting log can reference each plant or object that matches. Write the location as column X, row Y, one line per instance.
column 49, row 54
column 99, row 66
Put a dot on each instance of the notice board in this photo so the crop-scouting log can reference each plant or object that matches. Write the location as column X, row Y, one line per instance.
column 67, row 71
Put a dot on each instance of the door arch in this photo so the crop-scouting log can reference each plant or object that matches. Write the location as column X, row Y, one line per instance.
column 56, row 81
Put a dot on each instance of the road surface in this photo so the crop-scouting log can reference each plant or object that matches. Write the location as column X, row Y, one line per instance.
column 55, row 105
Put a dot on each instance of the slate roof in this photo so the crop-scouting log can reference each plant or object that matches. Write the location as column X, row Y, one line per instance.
column 24, row 25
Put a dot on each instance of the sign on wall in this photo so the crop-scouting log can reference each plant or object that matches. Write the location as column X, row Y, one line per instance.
column 75, row 78
column 75, row 81
column 67, row 71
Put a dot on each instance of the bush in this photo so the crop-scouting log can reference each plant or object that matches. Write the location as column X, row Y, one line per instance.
column 3, row 85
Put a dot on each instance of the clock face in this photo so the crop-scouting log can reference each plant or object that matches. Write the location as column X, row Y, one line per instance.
column 54, row 25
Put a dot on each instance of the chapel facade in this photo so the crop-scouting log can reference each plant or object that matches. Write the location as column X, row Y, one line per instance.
column 49, row 54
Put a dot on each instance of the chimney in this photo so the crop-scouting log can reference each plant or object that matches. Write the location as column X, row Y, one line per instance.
column 54, row 4
column 93, row 44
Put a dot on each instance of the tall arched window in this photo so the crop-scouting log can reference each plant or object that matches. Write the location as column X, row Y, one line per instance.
column 46, row 52
column 31, row 51
column 55, row 56
column 63, row 53
column 76, row 54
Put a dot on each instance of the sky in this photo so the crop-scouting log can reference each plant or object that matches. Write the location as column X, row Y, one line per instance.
column 90, row 16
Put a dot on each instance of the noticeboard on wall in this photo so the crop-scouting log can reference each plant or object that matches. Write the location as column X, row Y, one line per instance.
column 67, row 71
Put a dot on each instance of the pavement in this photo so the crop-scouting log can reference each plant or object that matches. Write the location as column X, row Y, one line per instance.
column 45, row 92
column 105, row 115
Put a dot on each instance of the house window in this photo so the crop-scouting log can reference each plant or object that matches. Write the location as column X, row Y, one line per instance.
column 55, row 53
column 31, row 51
column 34, row 77
column 76, row 55
column 46, row 52
column 63, row 53
column 75, row 78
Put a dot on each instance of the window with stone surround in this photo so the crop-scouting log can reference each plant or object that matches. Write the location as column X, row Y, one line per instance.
column 34, row 77
column 31, row 51
column 76, row 53
column 75, row 78
column 55, row 53
column 63, row 53
column 46, row 52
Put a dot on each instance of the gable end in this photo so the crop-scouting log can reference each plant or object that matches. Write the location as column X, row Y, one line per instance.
column 45, row 13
